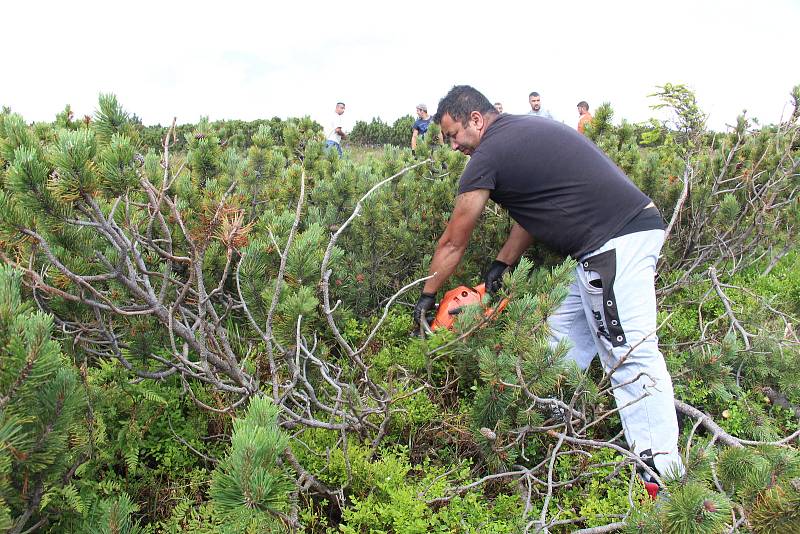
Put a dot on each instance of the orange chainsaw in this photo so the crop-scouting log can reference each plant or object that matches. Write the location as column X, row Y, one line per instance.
column 454, row 302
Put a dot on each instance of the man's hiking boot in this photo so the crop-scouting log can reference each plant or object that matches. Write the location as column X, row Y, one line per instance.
column 652, row 489
column 650, row 485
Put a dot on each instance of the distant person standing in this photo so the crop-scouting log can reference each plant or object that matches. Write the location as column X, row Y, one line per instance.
column 585, row 116
column 337, row 130
column 498, row 106
column 536, row 106
column 420, row 125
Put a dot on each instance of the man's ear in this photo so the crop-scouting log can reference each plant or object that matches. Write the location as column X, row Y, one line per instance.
column 477, row 119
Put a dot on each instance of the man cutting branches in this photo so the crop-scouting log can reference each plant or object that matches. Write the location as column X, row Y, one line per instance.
column 561, row 190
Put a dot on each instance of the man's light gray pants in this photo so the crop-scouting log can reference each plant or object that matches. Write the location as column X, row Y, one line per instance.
column 611, row 311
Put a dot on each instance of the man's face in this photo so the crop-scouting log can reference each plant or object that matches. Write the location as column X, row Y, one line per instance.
column 499, row 107
column 339, row 109
column 536, row 103
column 465, row 139
column 420, row 112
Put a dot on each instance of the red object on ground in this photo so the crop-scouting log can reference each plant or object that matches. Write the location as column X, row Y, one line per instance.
column 455, row 299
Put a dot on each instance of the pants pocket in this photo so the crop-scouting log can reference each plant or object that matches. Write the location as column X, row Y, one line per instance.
column 599, row 273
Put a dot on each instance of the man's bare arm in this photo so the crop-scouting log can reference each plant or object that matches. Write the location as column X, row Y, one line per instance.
column 453, row 242
column 517, row 243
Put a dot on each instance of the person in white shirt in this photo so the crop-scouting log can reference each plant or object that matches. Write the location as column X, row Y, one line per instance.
column 337, row 131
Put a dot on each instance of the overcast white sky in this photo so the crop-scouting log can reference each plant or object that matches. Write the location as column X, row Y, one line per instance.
column 246, row 60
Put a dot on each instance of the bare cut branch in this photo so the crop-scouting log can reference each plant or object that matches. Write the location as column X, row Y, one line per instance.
column 189, row 445
column 712, row 273
column 279, row 286
column 608, row 445
column 325, row 272
column 453, row 492
column 688, row 173
column 611, row 527
column 717, row 432
column 385, row 314
column 551, row 467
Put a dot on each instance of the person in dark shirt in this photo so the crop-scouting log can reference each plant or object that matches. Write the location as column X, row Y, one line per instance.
column 562, row 190
column 420, row 125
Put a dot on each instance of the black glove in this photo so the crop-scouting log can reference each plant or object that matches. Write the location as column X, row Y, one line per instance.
column 426, row 302
column 494, row 277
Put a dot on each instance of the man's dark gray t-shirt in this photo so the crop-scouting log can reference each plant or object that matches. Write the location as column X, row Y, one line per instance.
column 554, row 182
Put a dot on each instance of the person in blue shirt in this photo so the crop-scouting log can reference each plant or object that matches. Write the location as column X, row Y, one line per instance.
column 535, row 101
column 420, row 125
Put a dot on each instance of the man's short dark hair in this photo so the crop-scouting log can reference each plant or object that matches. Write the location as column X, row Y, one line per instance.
column 533, row 93
column 583, row 104
column 460, row 102
column 340, row 104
